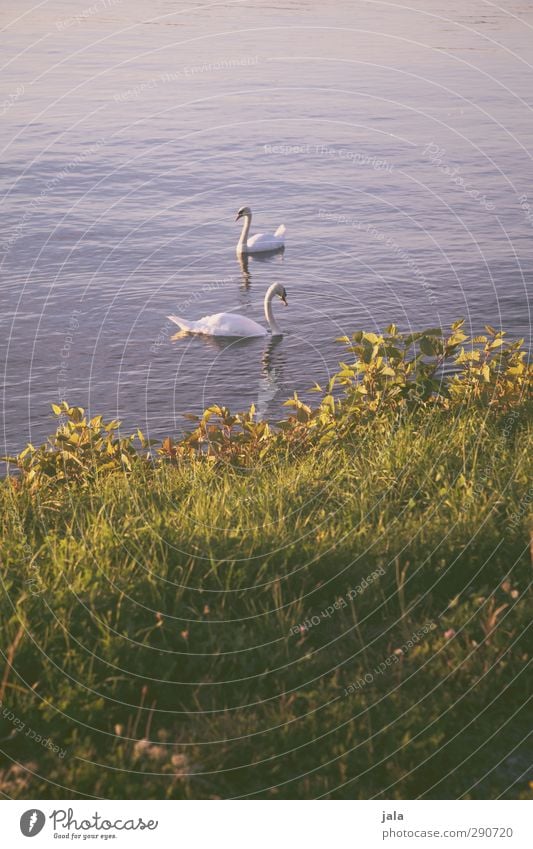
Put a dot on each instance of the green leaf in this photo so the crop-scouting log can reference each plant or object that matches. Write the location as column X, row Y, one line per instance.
column 393, row 353
column 426, row 346
column 76, row 413
column 457, row 338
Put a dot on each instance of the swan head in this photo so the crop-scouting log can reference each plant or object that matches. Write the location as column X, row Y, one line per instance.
column 281, row 292
column 243, row 212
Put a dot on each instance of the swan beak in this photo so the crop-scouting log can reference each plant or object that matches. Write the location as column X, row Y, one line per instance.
column 238, row 216
column 284, row 299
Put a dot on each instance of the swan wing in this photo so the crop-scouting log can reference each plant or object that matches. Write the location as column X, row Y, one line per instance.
column 264, row 242
column 280, row 232
column 221, row 324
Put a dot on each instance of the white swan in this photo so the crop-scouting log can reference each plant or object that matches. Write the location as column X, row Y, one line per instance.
column 233, row 324
column 261, row 241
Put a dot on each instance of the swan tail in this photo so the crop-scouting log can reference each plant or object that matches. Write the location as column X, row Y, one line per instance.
column 280, row 231
column 181, row 322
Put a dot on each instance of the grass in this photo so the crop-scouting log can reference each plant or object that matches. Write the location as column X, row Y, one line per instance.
column 346, row 621
column 151, row 621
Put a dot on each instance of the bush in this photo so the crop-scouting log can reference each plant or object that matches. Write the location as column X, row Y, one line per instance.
column 391, row 373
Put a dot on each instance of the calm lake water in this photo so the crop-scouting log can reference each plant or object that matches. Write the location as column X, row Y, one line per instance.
column 394, row 143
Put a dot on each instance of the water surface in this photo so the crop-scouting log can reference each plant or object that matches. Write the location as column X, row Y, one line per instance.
column 393, row 141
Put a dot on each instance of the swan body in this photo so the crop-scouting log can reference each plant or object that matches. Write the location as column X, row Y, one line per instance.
column 260, row 241
column 233, row 324
column 221, row 324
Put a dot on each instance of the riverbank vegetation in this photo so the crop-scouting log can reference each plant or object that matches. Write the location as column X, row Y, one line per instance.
column 335, row 605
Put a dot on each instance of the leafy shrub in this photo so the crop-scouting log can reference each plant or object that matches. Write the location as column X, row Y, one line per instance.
column 390, row 372
column 427, row 367
column 80, row 451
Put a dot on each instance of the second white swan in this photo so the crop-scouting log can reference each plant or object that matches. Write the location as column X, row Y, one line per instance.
column 260, row 241
column 233, row 324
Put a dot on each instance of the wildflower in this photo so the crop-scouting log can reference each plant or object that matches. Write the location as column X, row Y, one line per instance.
column 179, row 762
column 151, row 751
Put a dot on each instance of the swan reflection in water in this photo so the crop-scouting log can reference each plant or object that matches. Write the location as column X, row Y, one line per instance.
column 266, row 257
column 271, row 381
column 246, row 276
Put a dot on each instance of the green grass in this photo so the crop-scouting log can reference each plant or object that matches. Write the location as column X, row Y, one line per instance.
column 163, row 606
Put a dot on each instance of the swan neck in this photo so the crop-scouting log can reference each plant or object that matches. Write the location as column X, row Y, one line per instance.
column 244, row 233
column 269, row 315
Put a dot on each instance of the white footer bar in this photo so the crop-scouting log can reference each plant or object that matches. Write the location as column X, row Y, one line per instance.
column 268, row 825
